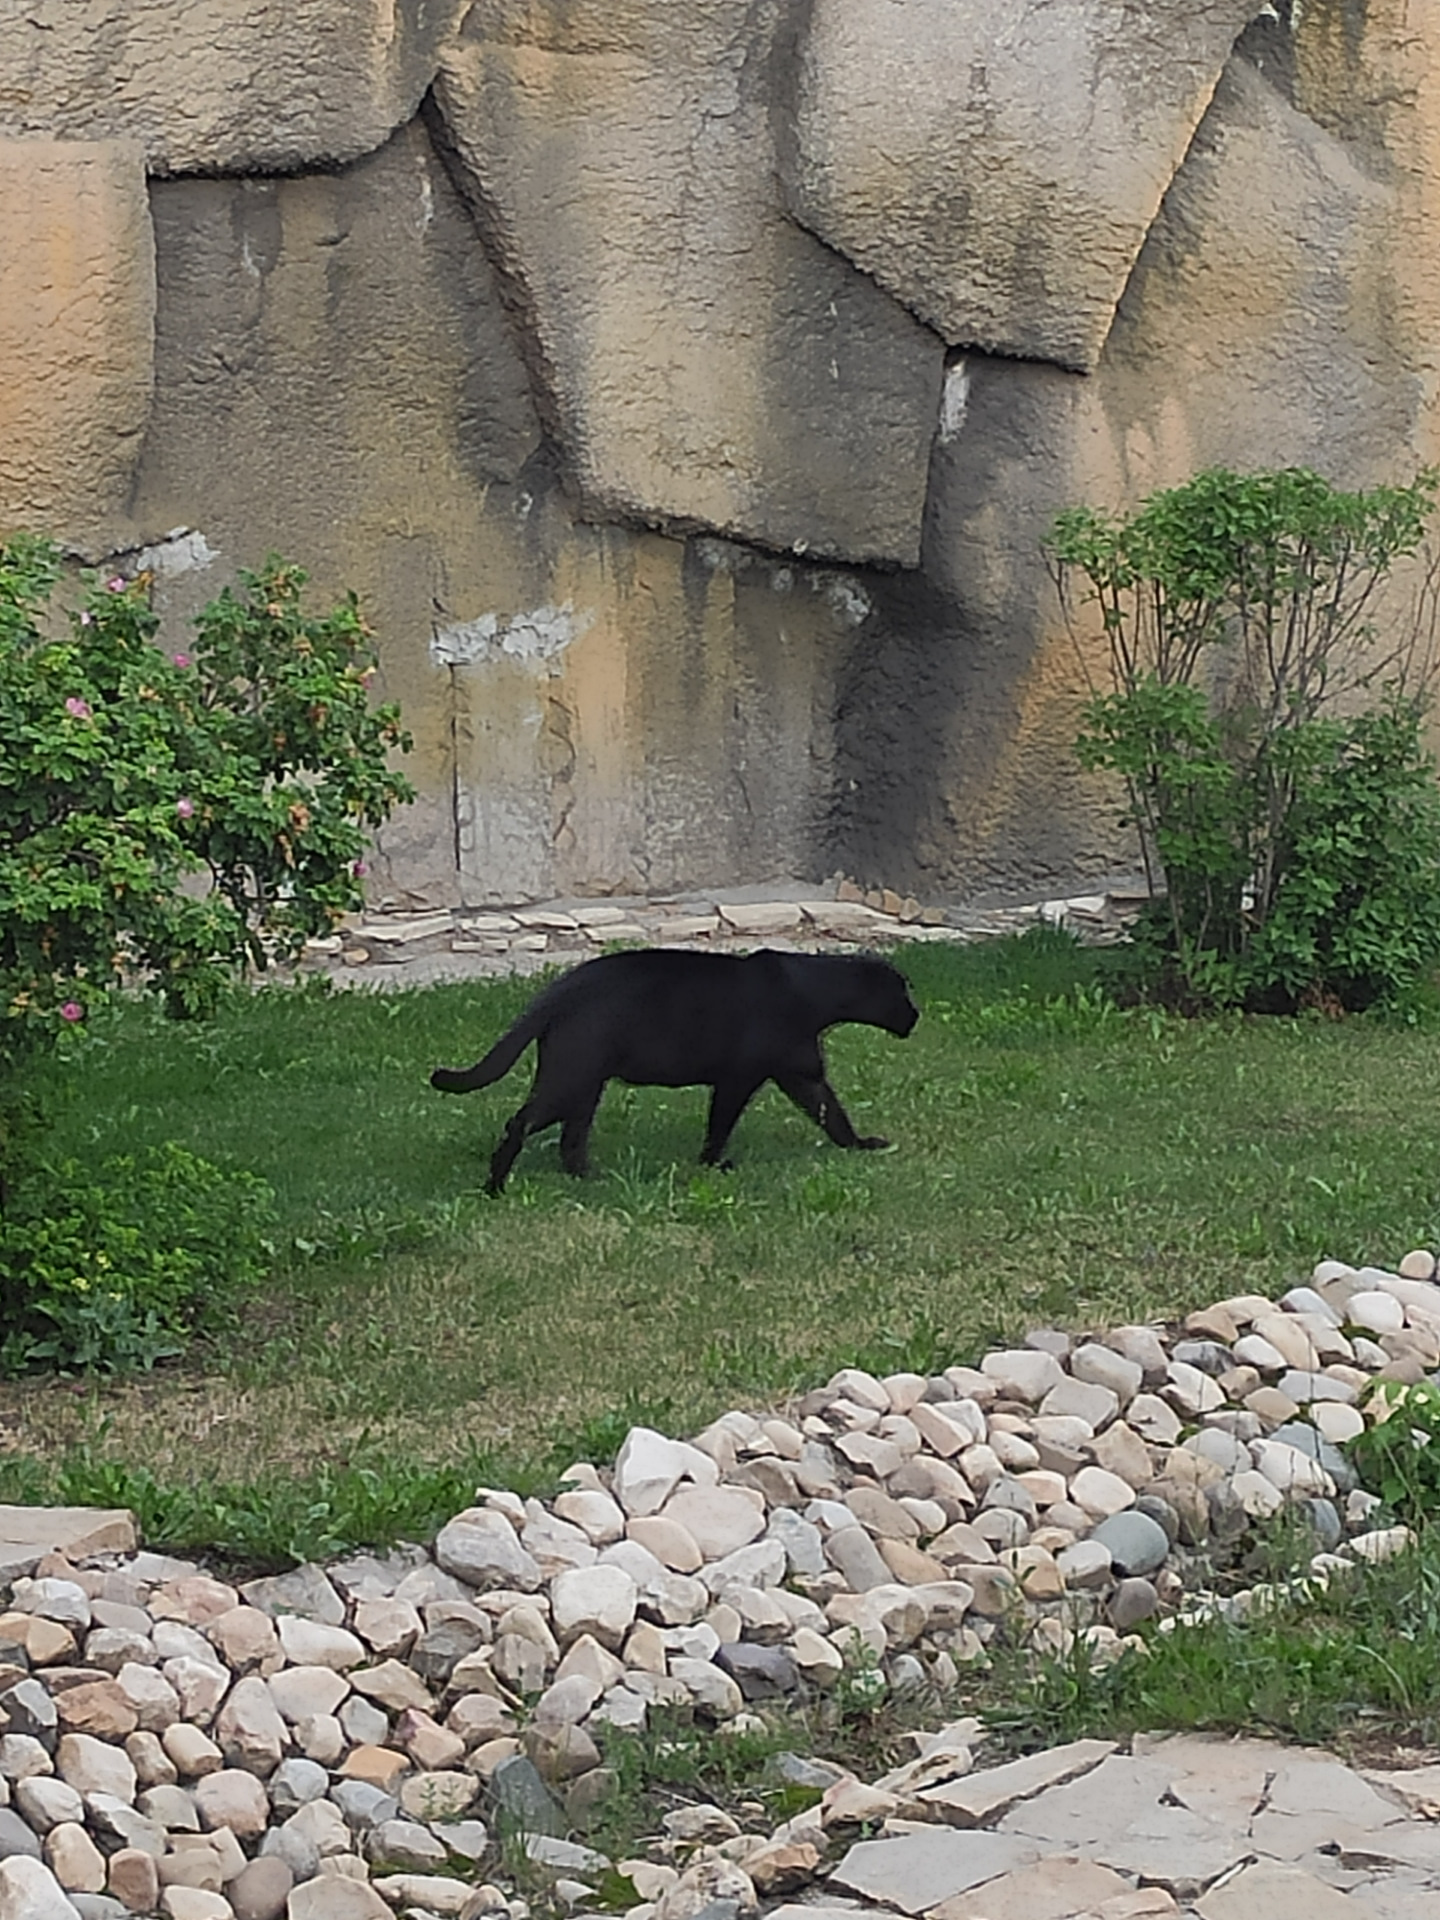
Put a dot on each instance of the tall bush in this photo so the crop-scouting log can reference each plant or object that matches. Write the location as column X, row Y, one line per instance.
column 1270, row 738
column 166, row 824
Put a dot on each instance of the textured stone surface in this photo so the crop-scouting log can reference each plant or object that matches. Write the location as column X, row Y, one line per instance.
column 674, row 408
column 224, row 87
column 77, row 317
column 924, row 153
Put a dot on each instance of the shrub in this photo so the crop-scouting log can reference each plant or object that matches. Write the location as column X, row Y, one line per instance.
column 165, row 824
column 111, row 1273
column 1270, row 744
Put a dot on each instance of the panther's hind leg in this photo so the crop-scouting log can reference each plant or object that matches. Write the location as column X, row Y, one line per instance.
column 575, row 1130
column 511, row 1142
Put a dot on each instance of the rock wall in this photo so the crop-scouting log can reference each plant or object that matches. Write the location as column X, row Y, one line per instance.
column 686, row 395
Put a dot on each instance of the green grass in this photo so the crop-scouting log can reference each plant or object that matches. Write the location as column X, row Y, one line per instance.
column 1056, row 1160
column 1354, row 1666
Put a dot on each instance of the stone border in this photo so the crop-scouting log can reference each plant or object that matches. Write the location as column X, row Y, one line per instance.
column 332, row 1744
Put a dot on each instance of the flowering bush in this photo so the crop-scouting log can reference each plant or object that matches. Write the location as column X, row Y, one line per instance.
column 165, row 823
column 254, row 760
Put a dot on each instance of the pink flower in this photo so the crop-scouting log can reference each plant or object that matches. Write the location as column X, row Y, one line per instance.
column 182, row 659
column 359, row 869
column 78, row 707
column 184, row 806
column 117, row 583
column 72, row 1011
column 87, row 619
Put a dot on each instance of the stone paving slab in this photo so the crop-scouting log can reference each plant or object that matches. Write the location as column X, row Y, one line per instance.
column 918, row 1871
column 1270, row 1892
column 981, row 1797
column 27, row 1534
column 1053, row 1889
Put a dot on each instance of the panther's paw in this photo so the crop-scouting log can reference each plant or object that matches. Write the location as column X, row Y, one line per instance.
column 872, row 1143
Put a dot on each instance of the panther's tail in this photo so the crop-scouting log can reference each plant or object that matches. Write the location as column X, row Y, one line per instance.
column 497, row 1062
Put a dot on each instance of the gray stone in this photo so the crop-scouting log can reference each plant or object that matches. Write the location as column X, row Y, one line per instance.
column 306, row 1590
column 17, row 1838
column 294, row 1782
column 980, row 1797
column 522, row 1801
column 1296, row 1433
column 28, row 1709
column 761, row 1672
column 46, row 1802
column 854, row 1555
column 363, row 1804
column 1132, row 1601
column 404, row 1844
column 481, row 1548
column 1137, row 1544
column 1157, row 1508
column 260, row 1889
column 1207, row 1355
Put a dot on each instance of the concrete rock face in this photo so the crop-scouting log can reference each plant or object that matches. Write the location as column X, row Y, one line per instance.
column 77, row 316
column 226, row 86
column 694, row 340
column 686, row 392
column 998, row 168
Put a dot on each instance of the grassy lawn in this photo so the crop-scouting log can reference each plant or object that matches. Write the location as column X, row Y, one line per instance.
column 1056, row 1160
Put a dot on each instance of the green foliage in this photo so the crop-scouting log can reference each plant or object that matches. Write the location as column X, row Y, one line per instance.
column 1353, row 1658
column 254, row 760
column 1398, row 1455
column 164, row 824
column 272, row 1521
column 1291, row 832
column 111, row 1272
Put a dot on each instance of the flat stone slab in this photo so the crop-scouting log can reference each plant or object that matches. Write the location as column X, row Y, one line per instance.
column 1268, row 1892
column 1100, row 1806
column 27, row 1534
column 980, row 1797
column 1052, row 1889
column 918, row 1871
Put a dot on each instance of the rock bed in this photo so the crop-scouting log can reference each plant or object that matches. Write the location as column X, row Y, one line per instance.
column 335, row 1744
column 444, row 942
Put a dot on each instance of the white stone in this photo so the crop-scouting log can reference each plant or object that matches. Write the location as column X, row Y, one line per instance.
column 29, row 1891
column 94, row 1766
column 1337, row 1421
column 863, row 1388
column 1189, row 1391
column 301, row 1693
column 1259, row 1497
column 598, row 1517
column 1251, row 1350
column 1022, row 1373
column 1102, row 1367
column 310, row 1643
column 1376, row 1312
column 1383, row 1544
column 649, row 1467
column 1290, row 1470
column 599, row 1601
column 1099, row 1493
column 718, row 1519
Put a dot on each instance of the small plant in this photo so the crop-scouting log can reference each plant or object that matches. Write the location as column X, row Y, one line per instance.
column 1290, row 831
column 1398, row 1454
